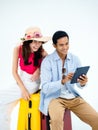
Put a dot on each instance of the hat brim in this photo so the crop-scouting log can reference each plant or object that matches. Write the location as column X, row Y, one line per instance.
column 41, row 39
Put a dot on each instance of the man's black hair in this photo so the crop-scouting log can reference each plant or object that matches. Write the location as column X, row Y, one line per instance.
column 59, row 34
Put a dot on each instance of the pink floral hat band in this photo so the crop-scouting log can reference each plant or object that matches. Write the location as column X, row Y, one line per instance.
column 37, row 37
column 34, row 35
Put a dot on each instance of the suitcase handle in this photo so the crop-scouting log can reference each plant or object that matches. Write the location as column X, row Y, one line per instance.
column 29, row 115
column 30, row 104
column 29, row 121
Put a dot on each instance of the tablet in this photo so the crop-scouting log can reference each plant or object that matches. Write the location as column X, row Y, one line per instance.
column 79, row 71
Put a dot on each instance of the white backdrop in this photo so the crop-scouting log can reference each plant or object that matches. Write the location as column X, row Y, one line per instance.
column 78, row 18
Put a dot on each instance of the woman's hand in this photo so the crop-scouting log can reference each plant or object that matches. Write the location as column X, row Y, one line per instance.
column 44, row 53
column 25, row 94
column 36, row 75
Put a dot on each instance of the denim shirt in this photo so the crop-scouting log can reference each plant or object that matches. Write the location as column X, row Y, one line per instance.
column 51, row 75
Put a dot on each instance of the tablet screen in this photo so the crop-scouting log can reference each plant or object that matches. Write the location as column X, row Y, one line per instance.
column 79, row 71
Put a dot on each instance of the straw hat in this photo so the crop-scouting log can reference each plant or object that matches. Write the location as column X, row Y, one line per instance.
column 34, row 33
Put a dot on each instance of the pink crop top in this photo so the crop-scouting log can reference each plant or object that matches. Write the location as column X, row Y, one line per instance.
column 28, row 68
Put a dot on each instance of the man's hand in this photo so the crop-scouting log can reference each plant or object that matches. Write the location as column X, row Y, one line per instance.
column 67, row 78
column 82, row 80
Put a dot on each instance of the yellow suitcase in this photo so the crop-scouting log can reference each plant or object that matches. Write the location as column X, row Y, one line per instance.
column 29, row 117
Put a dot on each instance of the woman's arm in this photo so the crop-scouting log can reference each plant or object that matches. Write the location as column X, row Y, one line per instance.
column 36, row 74
column 25, row 93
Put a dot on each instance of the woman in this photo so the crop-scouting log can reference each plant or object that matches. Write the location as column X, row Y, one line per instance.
column 27, row 57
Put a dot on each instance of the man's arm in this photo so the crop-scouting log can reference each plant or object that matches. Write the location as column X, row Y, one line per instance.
column 47, row 84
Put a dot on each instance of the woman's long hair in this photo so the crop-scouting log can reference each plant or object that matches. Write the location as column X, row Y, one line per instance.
column 26, row 53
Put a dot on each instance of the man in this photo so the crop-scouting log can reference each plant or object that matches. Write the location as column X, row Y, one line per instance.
column 57, row 93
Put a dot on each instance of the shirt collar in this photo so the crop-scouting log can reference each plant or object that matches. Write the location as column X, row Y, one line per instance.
column 56, row 56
